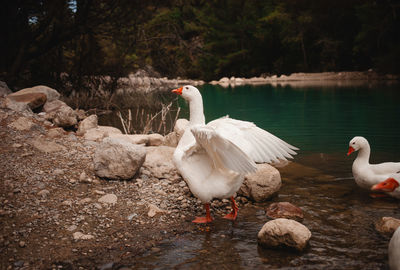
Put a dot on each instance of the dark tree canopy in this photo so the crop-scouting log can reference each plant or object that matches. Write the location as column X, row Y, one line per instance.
column 40, row 40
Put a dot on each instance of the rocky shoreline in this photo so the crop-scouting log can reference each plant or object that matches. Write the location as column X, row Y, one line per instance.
column 67, row 202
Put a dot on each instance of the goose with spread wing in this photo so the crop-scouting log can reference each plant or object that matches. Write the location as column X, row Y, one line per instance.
column 213, row 158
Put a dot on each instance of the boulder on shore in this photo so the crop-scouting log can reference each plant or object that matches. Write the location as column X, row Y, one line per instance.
column 32, row 100
column 87, row 123
column 60, row 113
column 51, row 94
column 100, row 132
column 284, row 232
column 118, row 159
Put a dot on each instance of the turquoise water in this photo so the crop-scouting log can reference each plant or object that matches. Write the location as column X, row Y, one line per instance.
column 340, row 215
column 315, row 119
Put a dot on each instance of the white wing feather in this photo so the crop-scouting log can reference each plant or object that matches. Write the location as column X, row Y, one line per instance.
column 258, row 144
column 223, row 152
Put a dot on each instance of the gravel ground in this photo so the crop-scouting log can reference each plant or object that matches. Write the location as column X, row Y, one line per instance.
column 56, row 214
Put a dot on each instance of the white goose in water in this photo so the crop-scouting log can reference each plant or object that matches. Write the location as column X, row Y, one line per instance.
column 214, row 158
column 365, row 174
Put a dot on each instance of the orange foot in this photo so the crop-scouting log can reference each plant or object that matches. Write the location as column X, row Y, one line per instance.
column 232, row 215
column 207, row 218
column 202, row 220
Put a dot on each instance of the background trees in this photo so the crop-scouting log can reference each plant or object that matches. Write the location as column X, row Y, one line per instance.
column 42, row 39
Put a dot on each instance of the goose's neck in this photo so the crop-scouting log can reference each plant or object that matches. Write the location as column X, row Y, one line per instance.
column 363, row 154
column 196, row 112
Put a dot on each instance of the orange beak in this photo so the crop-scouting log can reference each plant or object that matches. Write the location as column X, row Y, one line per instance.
column 351, row 150
column 177, row 91
column 388, row 185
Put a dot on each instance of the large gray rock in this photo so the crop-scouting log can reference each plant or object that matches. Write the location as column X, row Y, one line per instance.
column 180, row 126
column 261, row 185
column 283, row 232
column 50, row 93
column 118, row 159
column 4, row 90
column 159, row 161
column 60, row 113
column 172, row 139
column 87, row 123
column 97, row 134
column 146, row 139
column 65, row 117
column 33, row 100
column 15, row 106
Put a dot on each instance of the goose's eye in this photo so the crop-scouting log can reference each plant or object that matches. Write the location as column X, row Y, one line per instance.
column 186, row 88
column 354, row 142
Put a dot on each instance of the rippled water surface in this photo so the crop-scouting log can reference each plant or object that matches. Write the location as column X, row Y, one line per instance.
column 320, row 121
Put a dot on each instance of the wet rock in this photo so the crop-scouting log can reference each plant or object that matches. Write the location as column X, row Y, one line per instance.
column 117, row 159
column 51, row 94
column 261, row 185
column 283, row 232
column 109, row 199
column 284, row 210
column 387, row 225
column 86, row 124
column 22, row 123
column 32, row 100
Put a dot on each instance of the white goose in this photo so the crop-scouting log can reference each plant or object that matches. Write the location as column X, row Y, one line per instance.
column 390, row 186
column 365, row 174
column 394, row 250
column 214, row 158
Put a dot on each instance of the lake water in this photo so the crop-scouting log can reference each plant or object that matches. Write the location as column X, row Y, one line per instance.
column 320, row 121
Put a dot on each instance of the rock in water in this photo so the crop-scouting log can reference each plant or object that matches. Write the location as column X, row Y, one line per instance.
column 284, row 210
column 118, row 159
column 284, row 232
column 387, row 225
